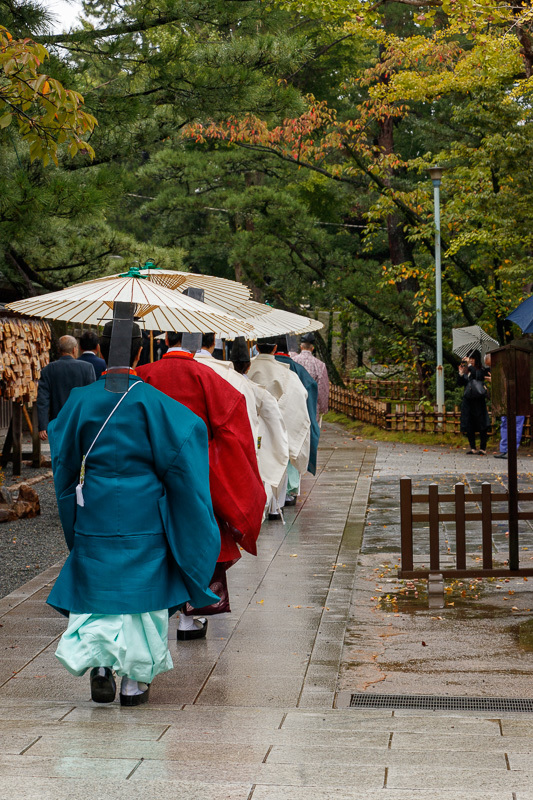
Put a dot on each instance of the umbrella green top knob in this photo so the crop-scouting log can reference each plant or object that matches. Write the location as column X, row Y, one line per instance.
column 150, row 264
column 133, row 272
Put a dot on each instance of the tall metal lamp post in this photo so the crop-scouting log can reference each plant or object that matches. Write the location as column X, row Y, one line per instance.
column 436, row 175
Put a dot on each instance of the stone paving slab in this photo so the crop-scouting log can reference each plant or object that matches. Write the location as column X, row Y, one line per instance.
column 293, row 793
column 110, row 789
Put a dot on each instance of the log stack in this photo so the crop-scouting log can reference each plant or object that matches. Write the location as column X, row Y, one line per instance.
column 24, row 351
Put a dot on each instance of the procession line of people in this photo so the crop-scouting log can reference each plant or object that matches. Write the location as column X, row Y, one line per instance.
column 160, row 490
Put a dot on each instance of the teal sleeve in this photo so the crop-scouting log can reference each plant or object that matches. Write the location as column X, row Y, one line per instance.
column 66, row 463
column 181, row 451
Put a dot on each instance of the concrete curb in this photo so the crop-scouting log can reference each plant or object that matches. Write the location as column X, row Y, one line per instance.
column 18, row 596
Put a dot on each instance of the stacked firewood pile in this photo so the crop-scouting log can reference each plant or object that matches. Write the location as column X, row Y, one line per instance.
column 24, row 351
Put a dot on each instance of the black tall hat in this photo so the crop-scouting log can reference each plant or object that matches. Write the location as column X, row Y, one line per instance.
column 193, row 341
column 239, row 350
column 308, row 338
column 124, row 337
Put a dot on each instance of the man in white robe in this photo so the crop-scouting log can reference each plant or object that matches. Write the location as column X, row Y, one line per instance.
column 288, row 391
column 266, row 421
column 273, row 440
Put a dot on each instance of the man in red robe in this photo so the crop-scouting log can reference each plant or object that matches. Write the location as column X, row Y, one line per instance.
column 236, row 487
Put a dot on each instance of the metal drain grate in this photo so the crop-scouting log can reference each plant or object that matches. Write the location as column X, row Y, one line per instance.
column 441, row 703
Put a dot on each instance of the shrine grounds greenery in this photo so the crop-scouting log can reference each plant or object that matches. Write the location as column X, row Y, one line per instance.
column 284, row 143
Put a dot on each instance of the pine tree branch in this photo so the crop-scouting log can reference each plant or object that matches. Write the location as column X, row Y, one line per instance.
column 112, row 30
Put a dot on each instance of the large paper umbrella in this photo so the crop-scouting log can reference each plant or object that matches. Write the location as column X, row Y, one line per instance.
column 267, row 321
column 472, row 338
column 222, row 294
column 523, row 315
column 156, row 307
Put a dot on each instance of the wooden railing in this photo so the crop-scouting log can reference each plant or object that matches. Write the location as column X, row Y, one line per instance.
column 380, row 388
column 390, row 415
column 461, row 500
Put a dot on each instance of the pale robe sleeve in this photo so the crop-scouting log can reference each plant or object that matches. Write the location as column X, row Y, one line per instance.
column 273, row 453
column 240, row 383
column 323, row 388
column 293, row 407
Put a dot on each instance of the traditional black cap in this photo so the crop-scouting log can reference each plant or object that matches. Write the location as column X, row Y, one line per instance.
column 122, row 337
column 308, row 338
column 292, row 342
column 239, row 350
column 193, row 341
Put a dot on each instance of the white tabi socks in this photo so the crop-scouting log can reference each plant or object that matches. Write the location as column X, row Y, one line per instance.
column 187, row 623
column 131, row 688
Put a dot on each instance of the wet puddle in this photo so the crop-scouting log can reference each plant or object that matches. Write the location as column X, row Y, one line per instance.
column 524, row 632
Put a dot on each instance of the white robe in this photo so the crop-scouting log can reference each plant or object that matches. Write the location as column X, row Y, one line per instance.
column 272, row 444
column 291, row 396
column 273, row 452
column 225, row 370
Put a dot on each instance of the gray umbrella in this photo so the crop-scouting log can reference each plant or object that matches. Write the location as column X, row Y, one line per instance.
column 472, row 338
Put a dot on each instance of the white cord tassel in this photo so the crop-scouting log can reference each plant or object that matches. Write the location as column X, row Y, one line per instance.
column 79, row 488
column 79, row 495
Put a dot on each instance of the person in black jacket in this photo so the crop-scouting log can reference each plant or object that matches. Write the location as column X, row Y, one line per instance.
column 89, row 352
column 474, row 414
column 57, row 379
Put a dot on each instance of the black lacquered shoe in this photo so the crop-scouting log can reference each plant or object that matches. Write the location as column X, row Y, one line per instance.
column 135, row 699
column 274, row 517
column 290, row 501
column 194, row 633
column 103, row 686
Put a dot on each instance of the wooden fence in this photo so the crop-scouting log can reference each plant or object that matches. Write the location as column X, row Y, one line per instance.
column 391, row 416
column 483, row 512
column 380, row 388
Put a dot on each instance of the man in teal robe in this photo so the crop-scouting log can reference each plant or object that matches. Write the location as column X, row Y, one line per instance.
column 143, row 543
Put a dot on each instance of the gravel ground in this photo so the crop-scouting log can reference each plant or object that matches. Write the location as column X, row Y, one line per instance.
column 29, row 546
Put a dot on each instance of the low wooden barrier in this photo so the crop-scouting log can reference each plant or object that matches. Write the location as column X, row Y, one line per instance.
column 385, row 389
column 484, row 513
column 391, row 416
column 357, row 406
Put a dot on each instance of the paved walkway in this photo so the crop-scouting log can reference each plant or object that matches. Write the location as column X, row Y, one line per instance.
column 249, row 713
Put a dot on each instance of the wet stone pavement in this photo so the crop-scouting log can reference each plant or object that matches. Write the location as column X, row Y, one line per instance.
column 251, row 712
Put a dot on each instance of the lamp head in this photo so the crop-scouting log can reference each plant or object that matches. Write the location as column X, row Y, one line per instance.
column 436, row 174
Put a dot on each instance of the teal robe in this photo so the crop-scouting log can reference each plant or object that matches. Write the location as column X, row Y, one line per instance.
column 146, row 538
column 312, row 400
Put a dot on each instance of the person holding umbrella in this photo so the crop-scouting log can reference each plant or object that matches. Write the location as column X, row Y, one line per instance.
column 474, row 414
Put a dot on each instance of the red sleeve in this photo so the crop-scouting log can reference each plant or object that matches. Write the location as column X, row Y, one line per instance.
column 236, row 488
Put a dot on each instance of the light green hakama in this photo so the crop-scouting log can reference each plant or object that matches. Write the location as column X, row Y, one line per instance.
column 293, row 480
column 134, row 645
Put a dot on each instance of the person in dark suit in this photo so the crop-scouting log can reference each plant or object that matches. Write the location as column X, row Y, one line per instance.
column 89, row 352
column 57, row 379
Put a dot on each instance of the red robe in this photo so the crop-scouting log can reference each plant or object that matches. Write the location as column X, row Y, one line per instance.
column 236, row 487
